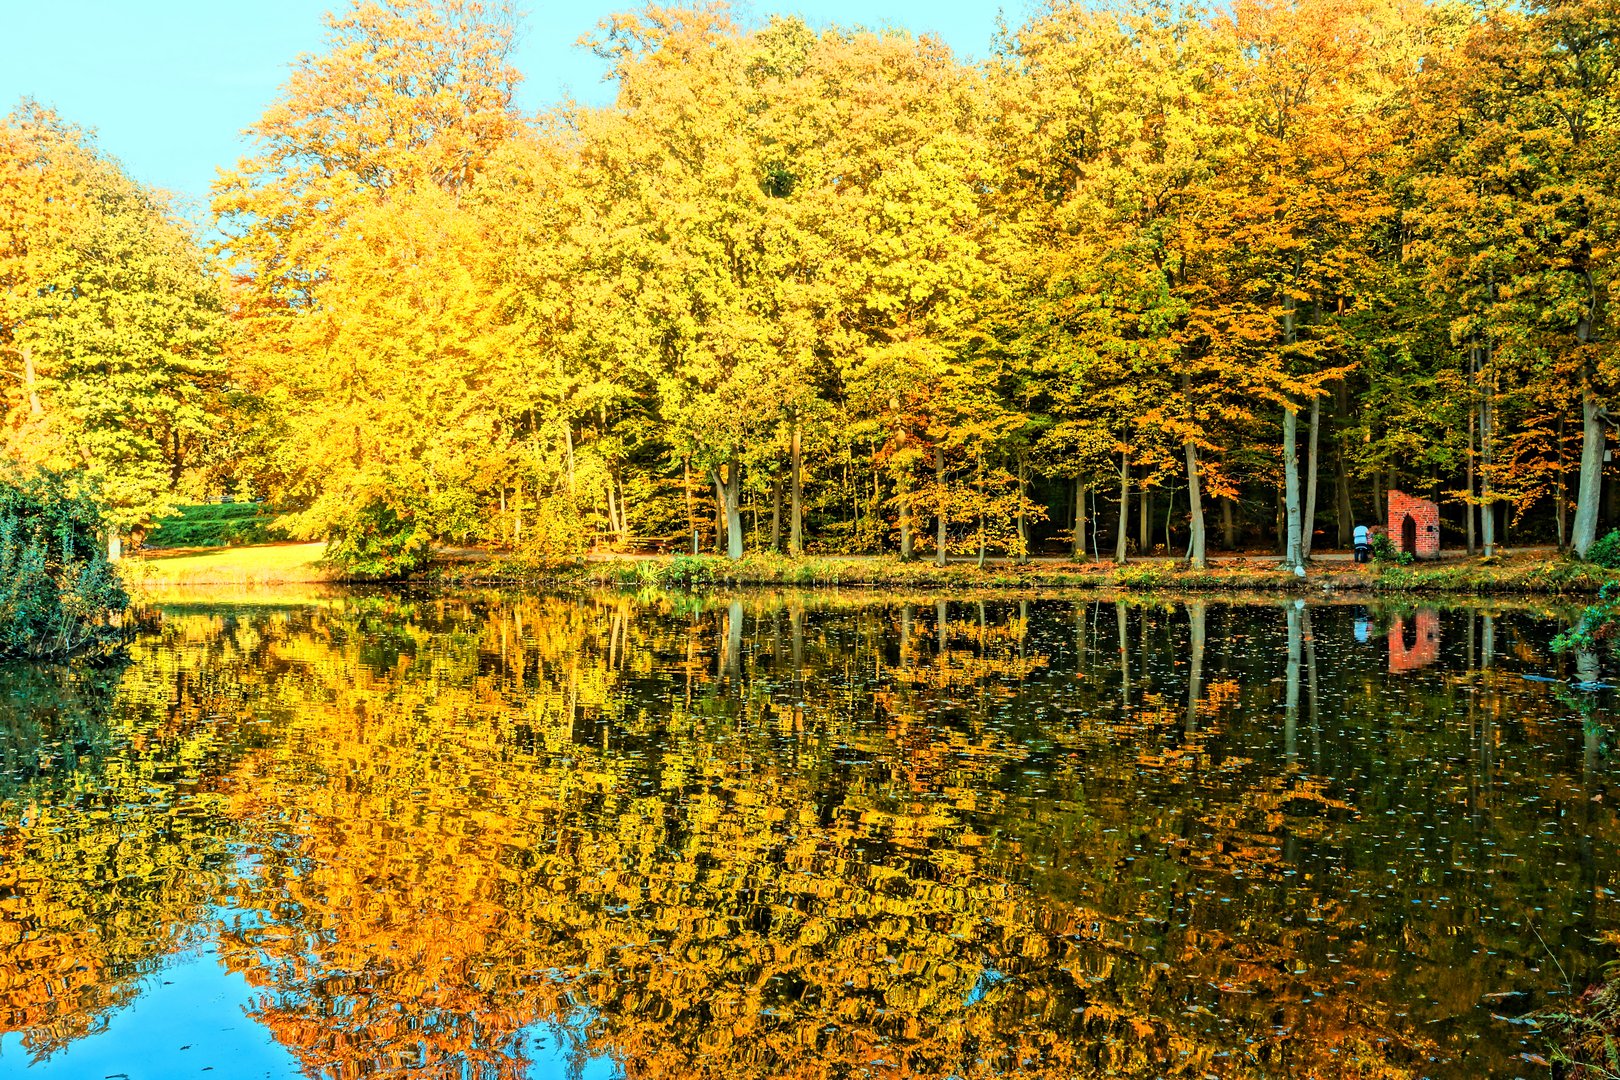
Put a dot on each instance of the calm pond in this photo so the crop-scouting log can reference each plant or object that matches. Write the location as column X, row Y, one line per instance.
column 484, row 835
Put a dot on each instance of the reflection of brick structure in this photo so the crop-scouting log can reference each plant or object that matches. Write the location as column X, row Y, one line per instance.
column 1414, row 640
column 1414, row 525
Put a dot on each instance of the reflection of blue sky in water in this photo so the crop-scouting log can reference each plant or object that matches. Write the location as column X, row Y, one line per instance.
column 191, row 1019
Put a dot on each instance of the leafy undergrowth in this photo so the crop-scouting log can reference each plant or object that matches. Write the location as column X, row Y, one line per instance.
column 1586, row 1039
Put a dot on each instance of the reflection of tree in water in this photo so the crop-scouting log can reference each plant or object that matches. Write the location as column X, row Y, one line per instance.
column 110, row 844
column 768, row 837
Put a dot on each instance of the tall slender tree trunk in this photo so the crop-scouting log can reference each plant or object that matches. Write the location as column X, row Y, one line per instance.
column 568, row 451
column 902, row 495
column 1228, row 524
column 1589, row 494
column 1469, row 516
column 691, row 507
column 1293, row 548
column 940, row 511
column 776, row 510
column 796, row 509
column 1561, row 489
column 1487, row 505
column 31, row 382
column 517, row 513
column 1144, row 521
column 1312, row 467
column 1341, row 471
column 979, row 484
column 612, row 507
column 719, row 516
column 1593, row 444
column 1294, row 556
column 1079, row 520
column 728, row 491
column 1023, row 526
column 1121, row 539
column 1198, row 553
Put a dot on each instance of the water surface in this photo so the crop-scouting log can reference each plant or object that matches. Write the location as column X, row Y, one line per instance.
column 475, row 835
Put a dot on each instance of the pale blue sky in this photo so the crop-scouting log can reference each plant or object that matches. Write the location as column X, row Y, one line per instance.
column 170, row 84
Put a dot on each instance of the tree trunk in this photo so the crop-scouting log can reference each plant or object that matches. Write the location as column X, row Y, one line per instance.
column 978, row 483
column 612, row 506
column 1590, row 492
column 1487, row 515
column 1198, row 553
column 1294, row 557
column 1229, row 524
column 115, row 546
column 517, row 513
column 1121, row 540
column 776, row 510
column 1079, row 520
column 1023, row 528
column 568, row 452
column 939, row 481
column 902, row 495
column 1144, row 521
column 1561, row 490
column 1346, row 511
column 1308, row 520
column 31, row 382
column 1469, row 515
column 728, row 489
column 691, row 508
column 796, row 510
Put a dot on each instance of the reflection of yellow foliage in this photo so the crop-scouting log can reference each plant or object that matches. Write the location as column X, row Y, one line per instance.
column 465, row 817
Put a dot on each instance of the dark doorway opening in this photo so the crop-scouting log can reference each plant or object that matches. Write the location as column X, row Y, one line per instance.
column 1409, row 534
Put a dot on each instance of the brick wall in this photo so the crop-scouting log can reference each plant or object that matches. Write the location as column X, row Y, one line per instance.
column 1425, row 517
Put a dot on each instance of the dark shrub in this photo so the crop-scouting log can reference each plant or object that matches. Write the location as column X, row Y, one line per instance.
column 58, row 593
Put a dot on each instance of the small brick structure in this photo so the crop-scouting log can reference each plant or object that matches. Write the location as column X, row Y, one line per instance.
column 1414, row 525
column 1414, row 640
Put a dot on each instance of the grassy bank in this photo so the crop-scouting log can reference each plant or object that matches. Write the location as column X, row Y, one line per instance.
column 271, row 564
column 280, row 564
column 1524, row 574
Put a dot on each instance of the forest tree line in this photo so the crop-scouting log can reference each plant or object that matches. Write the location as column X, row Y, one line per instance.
column 1148, row 277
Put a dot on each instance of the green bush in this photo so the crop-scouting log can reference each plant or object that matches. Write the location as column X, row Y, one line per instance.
column 690, row 571
column 378, row 538
column 58, row 593
column 1605, row 551
column 1384, row 550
